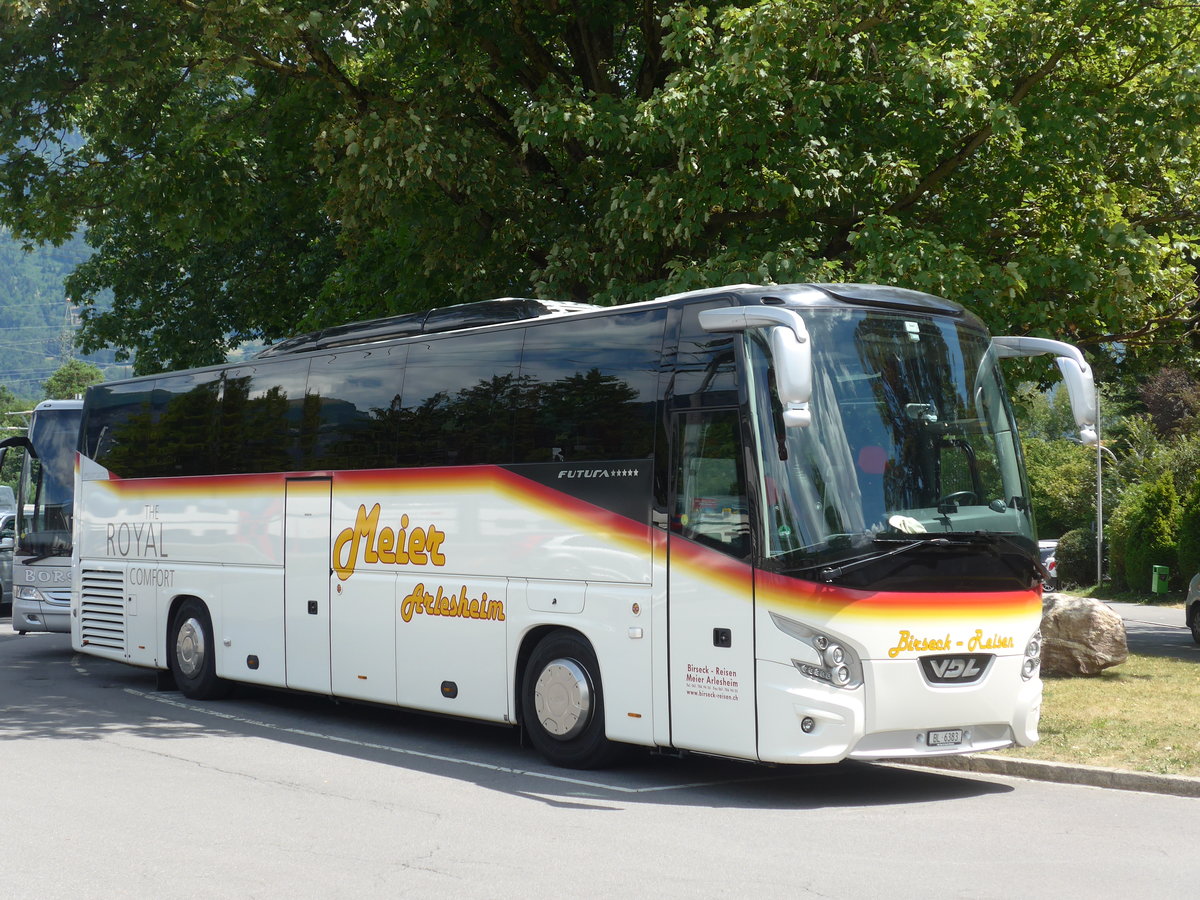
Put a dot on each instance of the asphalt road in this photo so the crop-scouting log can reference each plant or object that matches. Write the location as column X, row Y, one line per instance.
column 1157, row 631
column 114, row 789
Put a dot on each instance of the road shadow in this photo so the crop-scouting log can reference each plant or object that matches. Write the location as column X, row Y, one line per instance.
column 50, row 692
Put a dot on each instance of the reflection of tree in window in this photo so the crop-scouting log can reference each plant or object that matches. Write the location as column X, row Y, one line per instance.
column 185, row 429
column 255, row 434
column 117, row 431
column 588, row 415
column 470, row 427
column 336, row 434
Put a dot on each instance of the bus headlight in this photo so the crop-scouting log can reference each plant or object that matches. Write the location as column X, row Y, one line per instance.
column 28, row 592
column 842, row 676
column 1033, row 656
column 836, row 664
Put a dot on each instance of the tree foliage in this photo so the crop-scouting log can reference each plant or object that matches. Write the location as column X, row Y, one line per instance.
column 71, row 379
column 1075, row 558
column 1062, row 482
column 1172, row 400
column 1189, row 533
column 1150, row 533
column 252, row 167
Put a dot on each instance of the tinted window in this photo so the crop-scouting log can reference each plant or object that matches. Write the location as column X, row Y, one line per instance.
column 589, row 387
column 261, row 414
column 352, row 409
column 459, row 394
column 186, row 419
column 705, row 372
column 119, row 423
column 710, row 493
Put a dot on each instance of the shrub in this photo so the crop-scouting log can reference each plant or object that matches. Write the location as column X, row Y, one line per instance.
column 1153, row 534
column 1118, row 531
column 1189, row 533
column 1076, row 558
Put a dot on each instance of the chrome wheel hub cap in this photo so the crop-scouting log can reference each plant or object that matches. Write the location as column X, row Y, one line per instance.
column 189, row 648
column 562, row 698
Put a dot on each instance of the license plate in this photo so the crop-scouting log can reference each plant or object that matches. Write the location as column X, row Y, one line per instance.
column 951, row 738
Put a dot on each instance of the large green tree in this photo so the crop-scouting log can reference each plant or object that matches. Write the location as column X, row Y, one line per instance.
column 71, row 379
column 251, row 167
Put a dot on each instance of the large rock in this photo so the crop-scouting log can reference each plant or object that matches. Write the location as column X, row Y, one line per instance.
column 1080, row 636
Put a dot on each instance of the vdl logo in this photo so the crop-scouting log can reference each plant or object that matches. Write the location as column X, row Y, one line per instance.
column 960, row 668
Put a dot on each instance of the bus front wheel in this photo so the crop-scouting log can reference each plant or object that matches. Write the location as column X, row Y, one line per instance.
column 193, row 654
column 562, row 703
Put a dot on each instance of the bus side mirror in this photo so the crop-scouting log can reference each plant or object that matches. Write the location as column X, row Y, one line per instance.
column 792, row 355
column 791, row 352
column 1077, row 375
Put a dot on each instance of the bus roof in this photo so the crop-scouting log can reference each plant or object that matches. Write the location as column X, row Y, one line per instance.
column 512, row 311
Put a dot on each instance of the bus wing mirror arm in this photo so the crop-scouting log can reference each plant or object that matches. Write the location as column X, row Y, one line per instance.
column 19, row 442
column 791, row 352
column 1077, row 374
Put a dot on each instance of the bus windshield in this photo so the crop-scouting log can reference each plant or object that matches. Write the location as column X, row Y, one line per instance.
column 47, row 483
column 912, row 439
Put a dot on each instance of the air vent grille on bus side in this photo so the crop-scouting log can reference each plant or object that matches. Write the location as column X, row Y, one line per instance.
column 102, row 608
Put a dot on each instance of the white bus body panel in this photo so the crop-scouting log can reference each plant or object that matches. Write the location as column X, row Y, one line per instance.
column 499, row 559
column 491, row 557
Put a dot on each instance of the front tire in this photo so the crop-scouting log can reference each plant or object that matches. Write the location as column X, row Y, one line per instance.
column 562, row 703
column 192, row 653
column 1195, row 623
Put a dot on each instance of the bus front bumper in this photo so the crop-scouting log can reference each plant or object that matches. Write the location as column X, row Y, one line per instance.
column 40, row 613
column 894, row 715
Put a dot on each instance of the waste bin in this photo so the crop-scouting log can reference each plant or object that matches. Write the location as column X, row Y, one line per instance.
column 1158, row 579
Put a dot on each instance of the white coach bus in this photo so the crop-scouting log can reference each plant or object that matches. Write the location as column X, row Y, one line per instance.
column 42, row 556
column 787, row 523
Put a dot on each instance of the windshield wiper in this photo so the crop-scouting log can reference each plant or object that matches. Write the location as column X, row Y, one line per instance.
column 828, row 573
column 990, row 540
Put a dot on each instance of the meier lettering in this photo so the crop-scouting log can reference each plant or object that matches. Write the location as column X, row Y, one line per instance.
column 372, row 544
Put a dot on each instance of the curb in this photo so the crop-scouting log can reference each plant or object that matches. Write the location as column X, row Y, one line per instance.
column 1064, row 773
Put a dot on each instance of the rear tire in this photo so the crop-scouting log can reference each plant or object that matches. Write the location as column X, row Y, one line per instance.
column 562, row 704
column 192, row 654
column 1195, row 623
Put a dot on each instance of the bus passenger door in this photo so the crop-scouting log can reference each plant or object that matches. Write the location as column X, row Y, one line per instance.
column 710, row 588
column 306, row 583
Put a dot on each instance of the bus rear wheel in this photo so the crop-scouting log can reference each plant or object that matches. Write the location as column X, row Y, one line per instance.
column 562, row 703
column 193, row 654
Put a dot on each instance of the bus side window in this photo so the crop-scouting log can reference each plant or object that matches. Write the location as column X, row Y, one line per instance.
column 711, row 506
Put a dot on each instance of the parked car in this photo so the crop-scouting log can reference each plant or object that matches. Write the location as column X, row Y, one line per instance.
column 1046, row 551
column 7, row 535
column 1191, row 608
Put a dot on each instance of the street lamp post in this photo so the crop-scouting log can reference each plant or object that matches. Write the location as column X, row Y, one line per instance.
column 1100, row 451
column 1099, row 505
